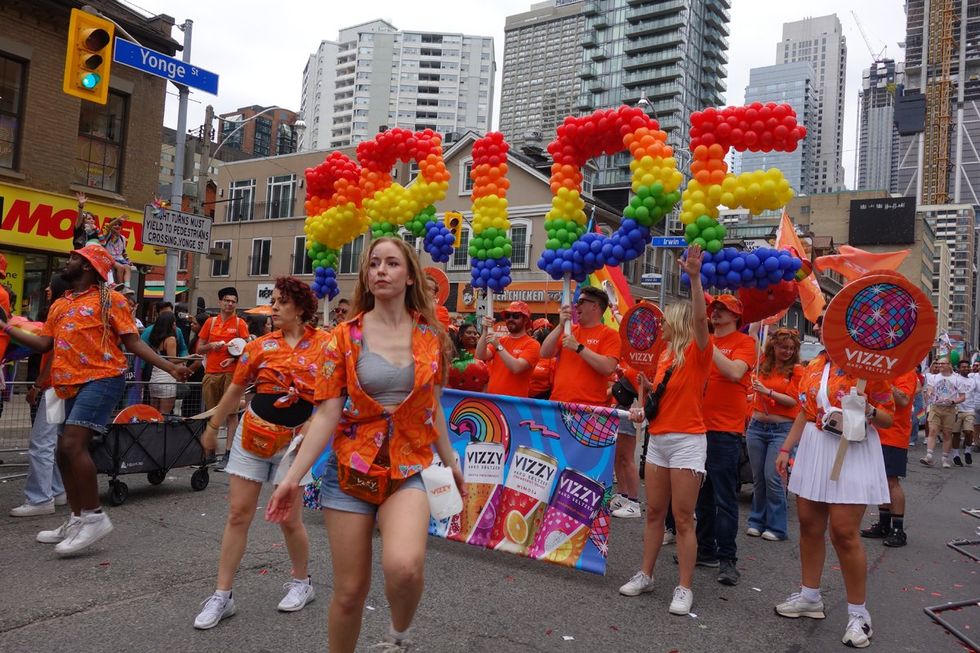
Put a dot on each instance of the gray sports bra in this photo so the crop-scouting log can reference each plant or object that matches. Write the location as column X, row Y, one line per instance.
column 386, row 384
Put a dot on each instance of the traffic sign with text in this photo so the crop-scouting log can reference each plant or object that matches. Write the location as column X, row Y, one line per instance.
column 176, row 230
column 159, row 64
column 668, row 241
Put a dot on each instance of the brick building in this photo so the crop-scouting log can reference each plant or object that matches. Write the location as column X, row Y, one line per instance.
column 53, row 145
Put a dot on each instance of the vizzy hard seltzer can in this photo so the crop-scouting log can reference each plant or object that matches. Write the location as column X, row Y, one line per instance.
column 483, row 476
column 568, row 519
column 448, row 527
column 529, row 483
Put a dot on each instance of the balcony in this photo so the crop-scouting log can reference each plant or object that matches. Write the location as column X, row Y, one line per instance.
column 656, row 26
column 589, row 40
column 600, row 54
column 599, row 21
column 662, row 91
column 598, row 86
column 717, row 22
column 640, row 61
column 651, row 75
column 713, row 36
column 654, row 42
column 588, row 71
column 720, row 7
column 591, row 8
column 674, row 9
column 584, row 102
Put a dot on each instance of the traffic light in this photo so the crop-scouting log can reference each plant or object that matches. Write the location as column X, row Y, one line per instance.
column 454, row 223
column 89, row 57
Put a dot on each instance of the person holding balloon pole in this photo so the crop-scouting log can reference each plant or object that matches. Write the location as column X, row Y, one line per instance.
column 675, row 460
column 379, row 392
column 840, row 504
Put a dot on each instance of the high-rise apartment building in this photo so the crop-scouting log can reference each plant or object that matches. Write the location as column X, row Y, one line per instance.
column 385, row 78
column 955, row 226
column 542, row 61
column 877, row 166
column 792, row 84
column 821, row 42
column 672, row 53
column 270, row 134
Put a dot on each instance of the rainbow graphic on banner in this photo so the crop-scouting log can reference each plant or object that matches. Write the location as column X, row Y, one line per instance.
column 480, row 420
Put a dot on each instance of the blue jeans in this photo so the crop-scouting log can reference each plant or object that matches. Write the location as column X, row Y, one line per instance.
column 717, row 507
column 764, row 441
column 43, row 477
column 92, row 407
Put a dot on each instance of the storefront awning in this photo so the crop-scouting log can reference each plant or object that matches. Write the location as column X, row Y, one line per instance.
column 154, row 289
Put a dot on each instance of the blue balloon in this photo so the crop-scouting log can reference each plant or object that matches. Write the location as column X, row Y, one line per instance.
column 775, row 276
column 685, row 279
column 708, row 269
column 504, row 282
column 566, row 266
column 785, row 261
column 734, row 278
column 751, row 261
column 738, row 264
column 788, row 275
column 771, row 263
column 723, row 266
column 760, row 272
column 618, row 252
column 747, row 274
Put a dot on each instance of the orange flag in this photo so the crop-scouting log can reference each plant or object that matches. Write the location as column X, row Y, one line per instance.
column 811, row 297
column 853, row 263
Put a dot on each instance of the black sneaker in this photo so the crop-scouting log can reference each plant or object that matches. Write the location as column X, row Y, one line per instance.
column 877, row 531
column 222, row 462
column 702, row 561
column 896, row 538
column 968, row 457
column 957, row 461
column 728, row 575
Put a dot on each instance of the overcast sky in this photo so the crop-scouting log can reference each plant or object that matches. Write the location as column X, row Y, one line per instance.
column 260, row 49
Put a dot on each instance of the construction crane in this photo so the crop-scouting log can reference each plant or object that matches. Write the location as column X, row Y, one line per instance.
column 939, row 94
column 867, row 42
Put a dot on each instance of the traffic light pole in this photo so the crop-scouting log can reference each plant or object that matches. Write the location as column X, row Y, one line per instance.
column 177, row 196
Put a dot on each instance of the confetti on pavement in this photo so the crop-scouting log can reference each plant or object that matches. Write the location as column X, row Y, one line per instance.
column 567, row 638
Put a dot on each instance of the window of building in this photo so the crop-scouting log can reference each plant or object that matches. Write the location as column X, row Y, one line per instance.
column 520, row 238
column 98, row 162
column 350, row 255
column 241, row 200
column 221, row 268
column 281, row 195
column 302, row 264
column 466, row 182
column 11, row 109
column 182, row 261
column 261, row 253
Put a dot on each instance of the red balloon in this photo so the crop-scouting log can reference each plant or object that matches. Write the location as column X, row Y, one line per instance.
column 759, row 304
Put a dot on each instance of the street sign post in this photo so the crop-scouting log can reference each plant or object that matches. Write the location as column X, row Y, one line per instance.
column 159, row 64
column 668, row 241
column 651, row 279
column 176, row 230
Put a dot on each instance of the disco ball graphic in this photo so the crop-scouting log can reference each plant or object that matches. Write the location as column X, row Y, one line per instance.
column 641, row 330
column 881, row 317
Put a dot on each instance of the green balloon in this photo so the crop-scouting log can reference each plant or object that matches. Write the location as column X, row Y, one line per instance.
column 720, row 231
column 643, row 192
column 553, row 243
column 714, row 246
column 562, row 235
column 692, row 231
column 657, row 188
column 508, row 249
column 704, row 222
column 643, row 214
column 629, row 212
column 700, row 242
column 708, row 234
column 496, row 252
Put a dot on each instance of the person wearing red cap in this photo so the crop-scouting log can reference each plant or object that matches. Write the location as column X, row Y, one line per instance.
column 513, row 357
column 726, row 406
column 587, row 356
column 83, row 330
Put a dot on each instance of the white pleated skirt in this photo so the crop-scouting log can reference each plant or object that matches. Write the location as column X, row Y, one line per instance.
column 862, row 477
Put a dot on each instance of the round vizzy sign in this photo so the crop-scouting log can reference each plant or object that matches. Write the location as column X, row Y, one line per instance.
column 640, row 337
column 879, row 326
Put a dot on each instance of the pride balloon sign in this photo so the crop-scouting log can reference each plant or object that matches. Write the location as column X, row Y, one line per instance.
column 490, row 248
column 655, row 181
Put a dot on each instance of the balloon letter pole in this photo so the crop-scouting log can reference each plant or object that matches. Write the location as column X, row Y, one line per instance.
column 490, row 248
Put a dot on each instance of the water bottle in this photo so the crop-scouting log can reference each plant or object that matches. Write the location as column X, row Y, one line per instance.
column 444, row 498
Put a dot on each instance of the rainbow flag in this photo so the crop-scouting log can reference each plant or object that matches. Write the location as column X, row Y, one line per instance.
column 624, row 298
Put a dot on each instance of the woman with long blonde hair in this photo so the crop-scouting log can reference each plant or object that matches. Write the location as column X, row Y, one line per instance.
column 678, row 448
column 388, row 364
column 776, row 404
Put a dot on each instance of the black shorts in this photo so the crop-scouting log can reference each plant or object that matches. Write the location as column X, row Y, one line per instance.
column 896, row 460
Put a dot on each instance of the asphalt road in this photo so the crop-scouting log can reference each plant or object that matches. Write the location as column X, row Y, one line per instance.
column 140, row 589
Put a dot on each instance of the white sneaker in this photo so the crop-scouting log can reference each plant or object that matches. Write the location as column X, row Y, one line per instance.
column 629, row 510
column 93, row 528
column 669, row 537
column 617, row 501
column 298, row 594
column 637, row 585
column 61, row 499
column 752, row 531
column 216, row 608
column 858, row 633
column 389, row 644
column 946, row 464
column 772, row 537
column 58, row 534
column 682, row 601
column 796, row 606
column 28, row 509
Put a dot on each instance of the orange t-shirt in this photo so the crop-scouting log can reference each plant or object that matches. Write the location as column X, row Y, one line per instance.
column 7, row 312
column 879, row 393
column 218, row 329
column 898, row 434
column 575, row 380
column 681, row 403
column 502, row 380
column 275, row 367
column 783, row 384
column 83, row 350
column 541, row 377
column 729, row 399
column 365, row 424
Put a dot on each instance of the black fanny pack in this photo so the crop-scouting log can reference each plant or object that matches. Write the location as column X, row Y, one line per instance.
column 624, row 392
column 652, row 406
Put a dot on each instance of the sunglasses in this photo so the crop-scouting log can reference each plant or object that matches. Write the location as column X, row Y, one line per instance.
column 583, row 300
column 515, row 316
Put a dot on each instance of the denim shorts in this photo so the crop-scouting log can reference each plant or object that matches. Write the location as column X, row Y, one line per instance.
column 333, row 498
column 92, row 407
column 249, row 466
column 678, row 451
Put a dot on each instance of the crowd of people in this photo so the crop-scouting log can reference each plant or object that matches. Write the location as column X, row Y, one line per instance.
column 374, row 373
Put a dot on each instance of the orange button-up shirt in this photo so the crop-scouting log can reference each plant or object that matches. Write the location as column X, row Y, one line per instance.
column 365, row 425
column 276, row 368
column 83, row 349
column 839, row 383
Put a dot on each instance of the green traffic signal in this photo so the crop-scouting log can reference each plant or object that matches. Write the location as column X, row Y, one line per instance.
column 90, row 80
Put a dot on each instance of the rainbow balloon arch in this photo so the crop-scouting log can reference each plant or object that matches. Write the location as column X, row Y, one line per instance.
column 346, row 198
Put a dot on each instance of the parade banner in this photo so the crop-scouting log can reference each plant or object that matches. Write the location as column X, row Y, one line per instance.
column 538, row 477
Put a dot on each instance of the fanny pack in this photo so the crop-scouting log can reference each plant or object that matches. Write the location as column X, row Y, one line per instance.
column 373, row 486
column 624, row 392
column 263, row 438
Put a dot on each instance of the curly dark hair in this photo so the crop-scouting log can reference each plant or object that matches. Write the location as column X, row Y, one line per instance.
column 299, row 294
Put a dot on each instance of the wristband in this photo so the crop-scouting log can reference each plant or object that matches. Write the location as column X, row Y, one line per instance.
column 786, row 451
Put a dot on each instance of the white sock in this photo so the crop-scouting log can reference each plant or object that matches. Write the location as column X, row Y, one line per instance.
column 399, row 636
column 810, row 594
column 957, row 452
column 225, row 594
column 859, row 610
column 308, row 580
column 97, row 511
